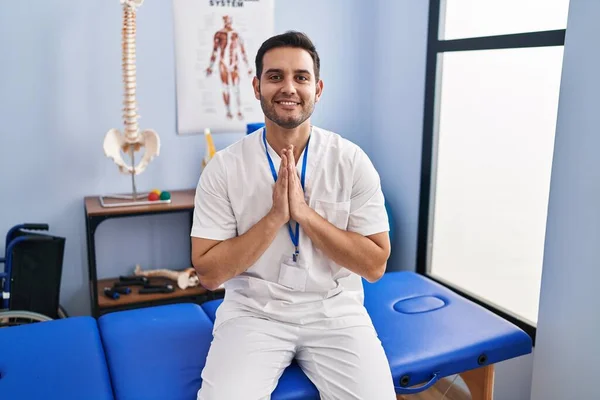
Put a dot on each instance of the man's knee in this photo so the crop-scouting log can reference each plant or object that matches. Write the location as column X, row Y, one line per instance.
column 229, row 390
column 225, row 383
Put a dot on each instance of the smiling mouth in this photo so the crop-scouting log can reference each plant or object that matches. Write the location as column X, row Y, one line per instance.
column 287, row 103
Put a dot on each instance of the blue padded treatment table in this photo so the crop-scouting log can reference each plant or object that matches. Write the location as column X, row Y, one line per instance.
column 60, row 359
column 156, row 352
column 428, row 332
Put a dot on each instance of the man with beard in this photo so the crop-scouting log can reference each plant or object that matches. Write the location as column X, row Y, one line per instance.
column 290, row 219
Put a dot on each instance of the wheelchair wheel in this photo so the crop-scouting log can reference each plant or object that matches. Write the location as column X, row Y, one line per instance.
column 15, row 318
column 62, row 313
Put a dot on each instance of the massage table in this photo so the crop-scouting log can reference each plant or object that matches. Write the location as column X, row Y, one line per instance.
column 428, row 333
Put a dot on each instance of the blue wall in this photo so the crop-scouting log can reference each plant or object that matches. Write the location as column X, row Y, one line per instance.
column 60, row 92
column 398, row 91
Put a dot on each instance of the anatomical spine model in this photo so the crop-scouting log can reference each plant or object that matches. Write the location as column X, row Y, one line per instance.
column 132, row 140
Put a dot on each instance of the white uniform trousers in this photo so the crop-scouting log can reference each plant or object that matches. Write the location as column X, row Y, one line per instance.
column 248, row 355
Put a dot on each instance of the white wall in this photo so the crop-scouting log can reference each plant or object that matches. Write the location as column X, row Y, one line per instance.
column 512, row 380
column 568, row 337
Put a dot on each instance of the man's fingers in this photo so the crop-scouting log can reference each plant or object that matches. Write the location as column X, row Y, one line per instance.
column 282, row 167
column 283, row 160
column 284, row 183
column 291, row 159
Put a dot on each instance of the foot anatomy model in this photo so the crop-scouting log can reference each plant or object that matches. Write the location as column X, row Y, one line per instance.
column 132, row 140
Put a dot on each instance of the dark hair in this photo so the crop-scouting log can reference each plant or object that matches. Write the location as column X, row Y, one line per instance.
column 288, row 39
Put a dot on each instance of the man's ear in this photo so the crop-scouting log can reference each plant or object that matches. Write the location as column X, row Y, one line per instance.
column 319, row 90
column 256, row 86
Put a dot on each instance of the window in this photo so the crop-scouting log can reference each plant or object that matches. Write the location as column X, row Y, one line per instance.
column 476, row 18
column 491, row 102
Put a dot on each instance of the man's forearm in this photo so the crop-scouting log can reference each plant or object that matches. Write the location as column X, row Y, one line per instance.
column 351, row 250
column 231, row 257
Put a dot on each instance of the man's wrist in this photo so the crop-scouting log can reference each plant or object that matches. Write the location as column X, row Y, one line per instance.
column 274, row 219
column 304, row 214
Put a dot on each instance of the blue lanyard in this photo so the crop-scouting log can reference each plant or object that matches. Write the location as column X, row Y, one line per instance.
column 295, row 237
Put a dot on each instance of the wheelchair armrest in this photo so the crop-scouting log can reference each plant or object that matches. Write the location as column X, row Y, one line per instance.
column 35, row 227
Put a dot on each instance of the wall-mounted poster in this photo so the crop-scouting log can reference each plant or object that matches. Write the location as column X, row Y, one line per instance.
column 215, row 46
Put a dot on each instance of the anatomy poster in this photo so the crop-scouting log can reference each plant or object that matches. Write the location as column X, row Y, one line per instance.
column 215, row 48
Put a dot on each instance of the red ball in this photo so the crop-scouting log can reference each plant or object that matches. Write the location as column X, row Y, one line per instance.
column 153, row 196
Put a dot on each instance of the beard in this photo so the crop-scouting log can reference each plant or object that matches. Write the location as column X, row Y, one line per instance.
column 288, row 121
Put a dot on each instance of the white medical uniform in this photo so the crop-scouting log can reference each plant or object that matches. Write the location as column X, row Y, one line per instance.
column 312, row 312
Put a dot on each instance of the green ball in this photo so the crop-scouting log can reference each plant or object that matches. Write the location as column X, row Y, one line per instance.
column 165, row 195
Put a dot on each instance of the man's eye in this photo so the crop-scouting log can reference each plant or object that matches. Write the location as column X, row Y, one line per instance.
column 302, row 78
column 275, row 77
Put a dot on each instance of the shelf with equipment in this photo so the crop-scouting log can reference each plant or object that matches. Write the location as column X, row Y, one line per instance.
column 181, row 201
column 134, row 299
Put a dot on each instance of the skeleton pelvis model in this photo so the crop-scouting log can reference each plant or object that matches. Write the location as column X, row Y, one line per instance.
column 132, row 140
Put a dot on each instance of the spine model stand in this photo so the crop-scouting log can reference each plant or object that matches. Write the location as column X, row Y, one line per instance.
column 115, row 143
column 210, row 148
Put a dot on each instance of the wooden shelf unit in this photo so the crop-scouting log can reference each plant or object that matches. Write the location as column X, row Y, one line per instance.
column 181, row 200
column 95, row 214
column 134, row 298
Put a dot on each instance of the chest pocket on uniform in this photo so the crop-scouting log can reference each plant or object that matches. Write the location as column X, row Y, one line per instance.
column 337, row 213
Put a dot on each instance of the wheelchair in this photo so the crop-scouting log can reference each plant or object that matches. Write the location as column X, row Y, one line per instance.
column 30, row 282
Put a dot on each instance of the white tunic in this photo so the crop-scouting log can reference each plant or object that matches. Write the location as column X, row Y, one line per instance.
column 341, row 184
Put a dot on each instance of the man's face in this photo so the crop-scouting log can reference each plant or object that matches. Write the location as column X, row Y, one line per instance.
column 287, row 89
